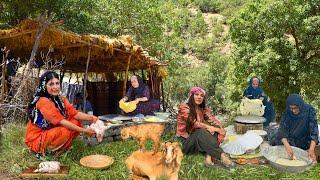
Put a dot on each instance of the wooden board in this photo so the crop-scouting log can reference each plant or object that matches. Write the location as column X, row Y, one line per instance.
column 29, row 173
column 242, row 128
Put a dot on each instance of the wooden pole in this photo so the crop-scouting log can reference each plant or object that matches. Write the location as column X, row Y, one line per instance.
column 85, row 80
column 126, row 77
column 43, row 24
column 3, row 78
column 163, row 98
column 151, row 79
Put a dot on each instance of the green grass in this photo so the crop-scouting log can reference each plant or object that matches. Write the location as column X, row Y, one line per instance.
column 15, row 157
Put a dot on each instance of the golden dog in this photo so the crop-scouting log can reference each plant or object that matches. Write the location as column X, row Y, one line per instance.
column 143, row 132
column 166, row 163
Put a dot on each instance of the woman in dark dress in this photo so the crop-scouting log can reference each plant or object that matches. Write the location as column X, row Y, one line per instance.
column 254, row 91
column 298, row 127
column 140, row 93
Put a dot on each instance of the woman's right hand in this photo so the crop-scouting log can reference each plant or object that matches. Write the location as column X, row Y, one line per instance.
column 89, row 132
column 211, row 129
column 222, row 131
column 124, row 99
column 93, row 118
column 289, row 151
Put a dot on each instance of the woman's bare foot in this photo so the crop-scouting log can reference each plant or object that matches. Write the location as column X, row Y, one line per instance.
column 208, row 161
column 226, row 161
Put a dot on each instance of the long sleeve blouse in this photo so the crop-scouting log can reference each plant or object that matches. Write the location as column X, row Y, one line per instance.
column 182, row 117
column 301, row 131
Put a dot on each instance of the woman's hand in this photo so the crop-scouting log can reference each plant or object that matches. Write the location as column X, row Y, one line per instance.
column 289, row 151
column 312, row 154
column 93, row 118
column 211, row 129
column 222, row 131
column 89, row 132
column 124, row 99
column 137, row 100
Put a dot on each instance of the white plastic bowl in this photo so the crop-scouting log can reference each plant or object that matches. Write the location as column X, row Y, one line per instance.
column 162, row 115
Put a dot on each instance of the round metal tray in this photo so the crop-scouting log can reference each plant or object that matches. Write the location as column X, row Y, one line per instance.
column 272, row 153
column 249, row 119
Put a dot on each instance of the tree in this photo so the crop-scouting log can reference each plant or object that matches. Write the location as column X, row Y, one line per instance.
column 280, row 42
column 76, row 13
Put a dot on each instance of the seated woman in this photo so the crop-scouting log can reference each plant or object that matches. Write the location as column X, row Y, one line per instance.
column 196, row 135
column 298, row 127
column 53, row 121
column 254, row 91
column 140, row 93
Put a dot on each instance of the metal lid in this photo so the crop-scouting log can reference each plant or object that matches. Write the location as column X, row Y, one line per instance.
column 250, row 119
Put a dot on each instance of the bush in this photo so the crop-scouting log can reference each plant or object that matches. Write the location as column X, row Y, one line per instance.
column 208, row 5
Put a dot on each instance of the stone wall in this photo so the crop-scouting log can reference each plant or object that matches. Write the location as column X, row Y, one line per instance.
column 113, row 133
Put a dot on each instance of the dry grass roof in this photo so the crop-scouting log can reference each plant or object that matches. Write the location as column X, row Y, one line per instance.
column 107, row 54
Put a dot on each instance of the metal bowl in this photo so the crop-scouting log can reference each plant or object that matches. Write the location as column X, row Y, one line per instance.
column 273, row 153
column 162, row 115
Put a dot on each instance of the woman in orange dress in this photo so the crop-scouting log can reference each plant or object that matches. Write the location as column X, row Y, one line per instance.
column 199, row 130
column 53, row 121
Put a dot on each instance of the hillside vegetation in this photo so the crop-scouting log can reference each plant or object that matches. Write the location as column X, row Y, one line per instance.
column 218, row 44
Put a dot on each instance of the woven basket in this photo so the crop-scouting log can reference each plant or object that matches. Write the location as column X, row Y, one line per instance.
column 96, row 161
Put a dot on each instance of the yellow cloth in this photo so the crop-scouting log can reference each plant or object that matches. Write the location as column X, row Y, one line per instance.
column 246, row 156
column 127, row 106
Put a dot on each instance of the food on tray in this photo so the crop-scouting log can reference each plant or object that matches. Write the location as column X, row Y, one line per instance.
column 252, row 107
column 259, row 132
column 152, row 119
column 116, row 121
column 289, row 162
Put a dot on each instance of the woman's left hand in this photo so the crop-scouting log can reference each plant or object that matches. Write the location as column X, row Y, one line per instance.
column 222, row 131
column 137, row 100
column 312, row 154
column 93, row 118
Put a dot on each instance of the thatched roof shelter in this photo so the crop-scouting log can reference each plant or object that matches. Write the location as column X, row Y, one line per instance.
column 107, row 54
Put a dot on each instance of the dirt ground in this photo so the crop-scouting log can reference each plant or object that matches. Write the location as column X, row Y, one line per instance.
column 4, row 176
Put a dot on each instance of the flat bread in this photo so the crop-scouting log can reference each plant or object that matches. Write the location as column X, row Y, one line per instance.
column 288, row 162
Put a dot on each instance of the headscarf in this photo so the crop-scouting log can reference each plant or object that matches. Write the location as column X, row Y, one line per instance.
column 195, row 89
column 254, row 92
column 295, row 99
column 41, row 91
column 138, row 92
column 192, row 117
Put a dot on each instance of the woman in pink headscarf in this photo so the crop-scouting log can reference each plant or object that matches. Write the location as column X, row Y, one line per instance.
column 199, row 130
